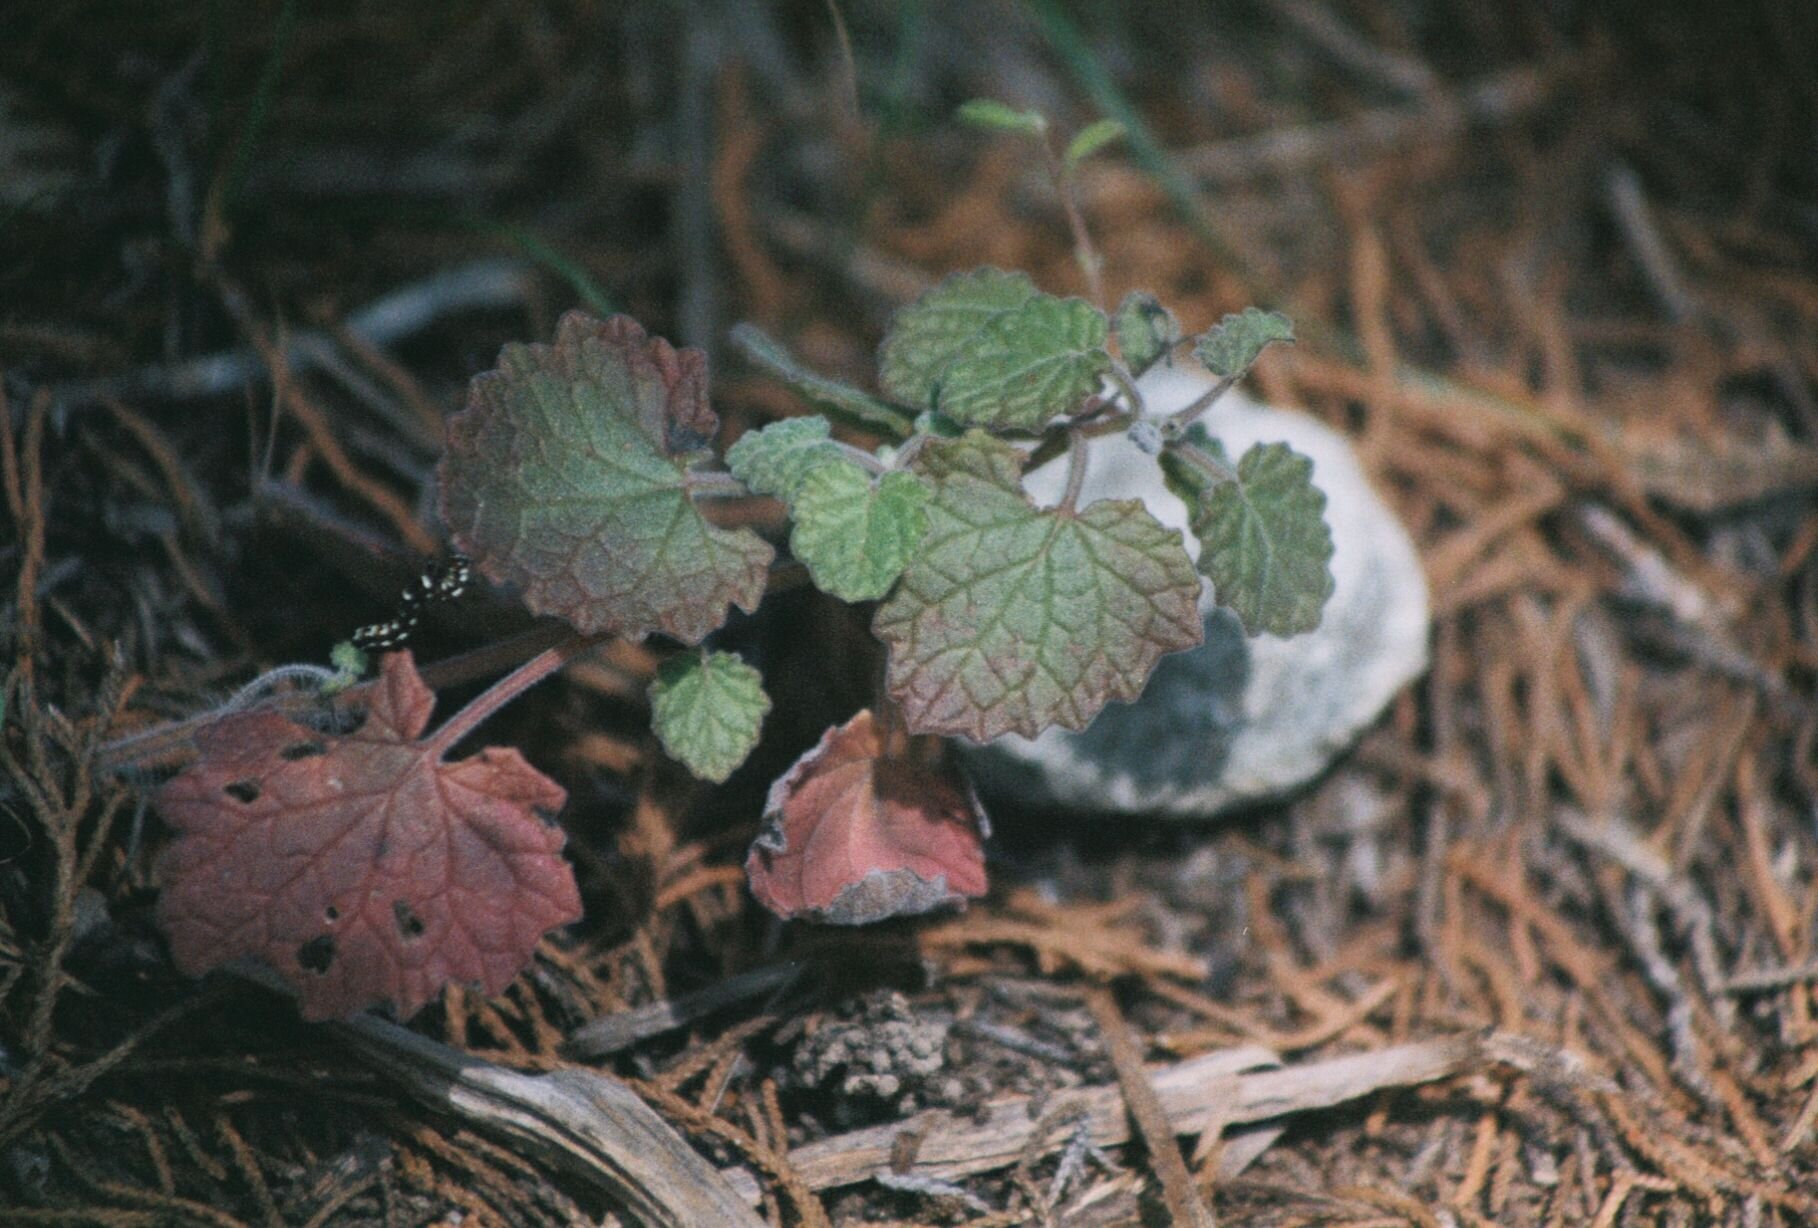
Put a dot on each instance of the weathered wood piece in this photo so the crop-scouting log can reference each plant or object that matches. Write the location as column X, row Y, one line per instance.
column 1232, row 1081
column 582, row 1120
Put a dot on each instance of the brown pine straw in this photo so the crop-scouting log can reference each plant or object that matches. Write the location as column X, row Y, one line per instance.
column 1584, row 828
column 773, row 1162
column 1184, row 1202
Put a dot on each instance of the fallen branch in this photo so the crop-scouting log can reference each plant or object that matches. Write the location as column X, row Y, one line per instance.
column 382, row 322
column 1152, row 1120
column 1497, row 99
column 1228, row 1079
column 582, row 1120
column 611, row 1033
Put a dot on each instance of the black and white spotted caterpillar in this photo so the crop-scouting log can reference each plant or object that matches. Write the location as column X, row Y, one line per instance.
column 441, row 582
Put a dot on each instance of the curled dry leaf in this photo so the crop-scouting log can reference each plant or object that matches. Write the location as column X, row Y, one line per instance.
column 361, row 867
column 852, row 836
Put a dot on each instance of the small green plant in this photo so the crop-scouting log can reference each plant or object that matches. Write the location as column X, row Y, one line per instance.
column 583, row 474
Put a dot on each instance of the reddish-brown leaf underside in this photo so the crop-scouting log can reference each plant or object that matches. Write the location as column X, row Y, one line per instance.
column 852, row 836
column 361, row 867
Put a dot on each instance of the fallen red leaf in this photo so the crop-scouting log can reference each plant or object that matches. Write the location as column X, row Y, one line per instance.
column 360, row 866
column 852, row 837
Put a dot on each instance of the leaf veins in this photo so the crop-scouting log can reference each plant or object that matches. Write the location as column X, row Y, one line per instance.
column 1012, row 618
column 570, row 473
column 362, row 868
column 853, row 835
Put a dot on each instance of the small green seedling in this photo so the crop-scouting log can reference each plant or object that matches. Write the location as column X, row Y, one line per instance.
column 584, row 475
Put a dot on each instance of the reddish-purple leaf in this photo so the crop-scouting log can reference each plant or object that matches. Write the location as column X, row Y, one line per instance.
column 572, row 473
column 852, row 836
column 361, row 867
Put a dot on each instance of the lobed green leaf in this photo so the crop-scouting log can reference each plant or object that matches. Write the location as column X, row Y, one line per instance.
column 1029, row 364
column 928, row 334
column 1232, row 345
column 775, row 459
column 1265, row 544
column 854, row 536
column 570, row 473
column 1012, row 618
column 707, row 710
column 1146, row 330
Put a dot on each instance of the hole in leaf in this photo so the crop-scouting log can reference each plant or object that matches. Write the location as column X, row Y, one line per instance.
column 409, row 924
column 316, row 954
column 245, row 792
column 332, row 913
column 302, row 750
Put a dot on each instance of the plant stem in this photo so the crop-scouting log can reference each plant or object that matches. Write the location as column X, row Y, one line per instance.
column 863, row 459
column 161, row 745
column 1204, row 461
column 905, row 456
column 1176, row 423
column 1126, row 385
column 1083, row 249
column 509, row 688
column 713, row 485
column 1076, row 468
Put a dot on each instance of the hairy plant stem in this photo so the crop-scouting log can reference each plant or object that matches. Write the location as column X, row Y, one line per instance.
column 509, row 688
column 1084, row 251
column 1176, row 424
column 162, row 744
column 1088, row 426
column 863, row 459
column 711, row 485
column 906, row 455
column 1204, row 461
column 1126, row 387
column 1076, row 468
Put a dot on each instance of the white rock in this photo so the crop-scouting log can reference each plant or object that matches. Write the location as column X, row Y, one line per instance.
column 1238, row 719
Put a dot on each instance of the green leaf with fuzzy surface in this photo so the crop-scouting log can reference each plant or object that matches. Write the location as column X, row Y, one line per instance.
column 570, row 473
column 989, row 113
column 1146, row 330
column 1232, row 345
column 1265, row 544
column 1187, row 480
column 707, row 710
column 927, row 335
column 856, row 536
column 928, row 422
column 830, row 395
column 1012, row 618
column 1028, row 365
column 1090, row 139
column 774, row 460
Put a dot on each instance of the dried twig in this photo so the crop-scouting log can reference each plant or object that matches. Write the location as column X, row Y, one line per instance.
column 382, row 322
column 1499, row 99
column 611, row 1033
column 1629, row 203
column 582, row 1120
column 1324, row 29
column 1184, row 1202
column 994, row 1137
